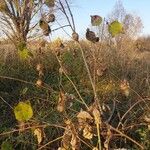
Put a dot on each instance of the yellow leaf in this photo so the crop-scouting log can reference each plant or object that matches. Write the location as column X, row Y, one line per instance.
column 23, row 111
column 25, row 54
column 115, row 28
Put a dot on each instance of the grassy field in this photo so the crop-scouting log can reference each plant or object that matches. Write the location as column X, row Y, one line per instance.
column 68, row 88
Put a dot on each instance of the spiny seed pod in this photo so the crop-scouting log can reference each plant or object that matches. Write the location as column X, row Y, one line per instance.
column 47, row 31
column 39, row 83
column 75, row 36
column 43, row 24
column 45, row 27
column 90, row 35
column 96, row 20
column 51, row 18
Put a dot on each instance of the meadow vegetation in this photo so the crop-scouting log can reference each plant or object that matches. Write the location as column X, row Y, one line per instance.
column 75, row 94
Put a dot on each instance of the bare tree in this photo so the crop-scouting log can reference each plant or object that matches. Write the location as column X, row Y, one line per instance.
column 131, row 22
column 19, row 18
column 16, row 16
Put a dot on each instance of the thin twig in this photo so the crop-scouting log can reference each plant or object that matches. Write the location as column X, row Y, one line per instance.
column 129, row 111
column 82, row 100
column 6, row 102
column 124, row 135
column 50, row 142
column 72, row 18
column 27, row 82
column 64, row 11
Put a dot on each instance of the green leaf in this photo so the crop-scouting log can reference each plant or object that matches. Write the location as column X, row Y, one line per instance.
column 21, row 46
column 96, row 20
column 115, row 28
column 23, row 111
column 25, row 53
column 24, row 91
column 6, row 146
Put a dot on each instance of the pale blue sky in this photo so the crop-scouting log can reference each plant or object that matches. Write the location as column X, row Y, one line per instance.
column 82, row 9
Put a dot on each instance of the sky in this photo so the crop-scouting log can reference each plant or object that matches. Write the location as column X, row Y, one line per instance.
column 82, row 9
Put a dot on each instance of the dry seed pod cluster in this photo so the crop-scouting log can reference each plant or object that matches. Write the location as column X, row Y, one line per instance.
column 87, row 132
column 50, row 18
column 90, row 35
column 84, row 119
column 45, row 27
column 70, row 137
column 75, row 36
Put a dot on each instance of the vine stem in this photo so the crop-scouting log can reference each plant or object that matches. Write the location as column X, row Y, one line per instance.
column 27, row 82
column 124, row 135
column 95, row 94
column 6, row 102
column 90, row 77
column 50, row 142
column 82, row 100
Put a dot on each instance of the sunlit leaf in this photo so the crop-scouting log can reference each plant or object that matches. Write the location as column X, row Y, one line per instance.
column 115, row 28
column 96, row 20
column 6, row 146
column 23, row 111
